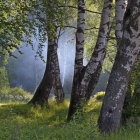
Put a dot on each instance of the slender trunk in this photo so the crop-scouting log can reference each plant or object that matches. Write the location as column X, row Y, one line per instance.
column 78, row 57
column 111, row 111
column 51, row 76
column 96, row 75
column 94, row 67
column 58, row 89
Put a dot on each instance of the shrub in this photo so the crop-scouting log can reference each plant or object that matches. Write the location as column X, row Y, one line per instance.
column 14, row 95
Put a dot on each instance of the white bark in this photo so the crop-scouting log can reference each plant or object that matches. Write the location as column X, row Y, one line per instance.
column 80, row 36
column 78, row 57
column 97, row 58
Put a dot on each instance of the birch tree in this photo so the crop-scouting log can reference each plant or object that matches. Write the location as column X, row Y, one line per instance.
column 78, row 56
column 90, row 74
column 128, row 51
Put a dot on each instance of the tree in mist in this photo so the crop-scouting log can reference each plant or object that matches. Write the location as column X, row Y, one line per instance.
column 51, row 79
column 128, row 51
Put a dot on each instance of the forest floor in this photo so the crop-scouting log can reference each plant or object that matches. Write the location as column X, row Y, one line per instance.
column 19, row 121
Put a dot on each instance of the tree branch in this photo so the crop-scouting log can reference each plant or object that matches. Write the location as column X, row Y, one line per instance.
column 69, row 6
column 76, row 27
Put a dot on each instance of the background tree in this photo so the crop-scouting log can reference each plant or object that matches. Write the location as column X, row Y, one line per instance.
column 78, row 56
column 52, row 19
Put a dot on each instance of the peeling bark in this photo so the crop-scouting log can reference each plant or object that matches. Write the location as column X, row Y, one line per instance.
column 128, row 51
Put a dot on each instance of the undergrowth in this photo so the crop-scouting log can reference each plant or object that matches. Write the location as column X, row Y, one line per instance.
column 20, row 121
column 15, row 94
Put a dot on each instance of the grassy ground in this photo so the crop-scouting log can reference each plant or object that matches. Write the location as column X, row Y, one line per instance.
column 23, row 122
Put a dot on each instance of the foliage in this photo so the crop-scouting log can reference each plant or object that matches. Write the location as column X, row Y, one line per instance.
column 92, row 34
column 14, row 24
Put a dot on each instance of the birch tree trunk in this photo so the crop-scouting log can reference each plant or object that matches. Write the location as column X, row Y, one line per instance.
column 78, row 57
column 94, row 67
column 128, row 51
column 89, row 76
column 51, row 76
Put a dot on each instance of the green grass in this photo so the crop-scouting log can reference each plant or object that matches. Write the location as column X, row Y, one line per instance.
column 19, row 121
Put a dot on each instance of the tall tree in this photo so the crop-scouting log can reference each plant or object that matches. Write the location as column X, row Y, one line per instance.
column 78, row 56
column 94, row 67
column 128, row 51
column 48, row 17
column 90, row 74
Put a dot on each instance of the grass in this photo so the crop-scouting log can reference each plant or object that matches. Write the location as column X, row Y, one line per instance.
column 19, row 121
